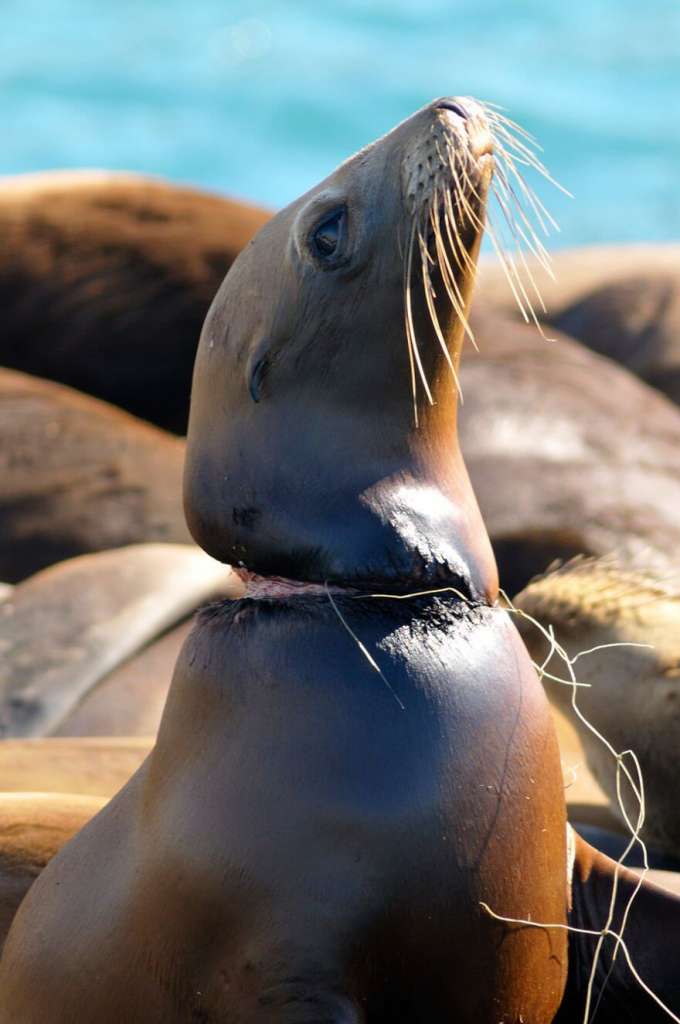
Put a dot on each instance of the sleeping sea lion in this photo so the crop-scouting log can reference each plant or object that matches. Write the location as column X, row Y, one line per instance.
column 576, row 272
column 77, row 475
column 106, row 278
column 346, row 774
column 636, row 322
column 621, row 301
column 568, row 453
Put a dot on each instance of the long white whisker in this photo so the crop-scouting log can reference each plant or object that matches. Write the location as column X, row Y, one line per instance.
column 449, row 213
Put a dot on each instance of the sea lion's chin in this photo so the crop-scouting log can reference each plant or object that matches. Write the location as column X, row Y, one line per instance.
column 322, row 440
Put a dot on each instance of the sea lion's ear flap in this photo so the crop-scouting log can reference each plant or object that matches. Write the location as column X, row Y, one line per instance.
column 257, row 365
column 651, row 934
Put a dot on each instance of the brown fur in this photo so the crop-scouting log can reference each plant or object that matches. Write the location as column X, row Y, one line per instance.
column 77, row 475
column 622, row 302
column 106, row 278
column 568, row 453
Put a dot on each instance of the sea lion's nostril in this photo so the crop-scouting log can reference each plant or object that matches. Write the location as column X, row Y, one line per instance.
column 455, row 107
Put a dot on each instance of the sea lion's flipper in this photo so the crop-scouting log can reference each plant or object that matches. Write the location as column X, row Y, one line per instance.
column 67, row 627
column 652, row 940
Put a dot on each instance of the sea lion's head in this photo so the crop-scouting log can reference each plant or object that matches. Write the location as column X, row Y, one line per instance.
column 322, row 440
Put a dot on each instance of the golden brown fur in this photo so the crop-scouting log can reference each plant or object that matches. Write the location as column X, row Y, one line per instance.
column 105, row 280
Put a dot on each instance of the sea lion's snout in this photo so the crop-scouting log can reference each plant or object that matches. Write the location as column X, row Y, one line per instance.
column 448, row 151
column 479, row 136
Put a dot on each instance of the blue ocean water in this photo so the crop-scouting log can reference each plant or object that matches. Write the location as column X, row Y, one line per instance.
column 262, row 99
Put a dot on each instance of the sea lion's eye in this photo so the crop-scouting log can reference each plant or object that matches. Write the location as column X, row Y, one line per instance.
column 327, row 236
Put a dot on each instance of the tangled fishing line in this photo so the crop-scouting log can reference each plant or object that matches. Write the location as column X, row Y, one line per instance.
column 442, row 218
column 633, row 777
column 636, row 783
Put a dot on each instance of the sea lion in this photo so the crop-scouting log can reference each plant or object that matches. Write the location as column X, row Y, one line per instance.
column 635, row 321
column 106, row 279
column 568, row 454
column 621, row 301
column 325, row 770
column 633, row 692
column 299, row 900
column 66, row 628
column 77, row 475
column 369, row 774
column 33, row 827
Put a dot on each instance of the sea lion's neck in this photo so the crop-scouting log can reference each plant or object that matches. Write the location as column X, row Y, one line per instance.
column 443, row 512
column 324, row 488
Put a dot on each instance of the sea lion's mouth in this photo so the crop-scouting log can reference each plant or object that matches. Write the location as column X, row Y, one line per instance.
column 280, row 588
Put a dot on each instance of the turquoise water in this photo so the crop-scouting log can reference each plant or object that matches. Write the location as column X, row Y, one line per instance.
column 263, row 99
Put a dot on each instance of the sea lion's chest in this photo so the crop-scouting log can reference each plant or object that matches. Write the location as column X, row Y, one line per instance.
column 304, row 805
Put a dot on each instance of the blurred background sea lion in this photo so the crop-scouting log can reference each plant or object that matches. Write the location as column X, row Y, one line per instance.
column 105, row 280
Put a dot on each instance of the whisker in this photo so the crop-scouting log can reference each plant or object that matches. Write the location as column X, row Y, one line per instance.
column 429, row 300
column 410, row 329
column 520, row 209
column 448, row 275
column 509, row 197
column 448, row 217
column 517, row 230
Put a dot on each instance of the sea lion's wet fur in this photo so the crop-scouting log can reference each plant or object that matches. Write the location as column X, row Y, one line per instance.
column 568, row 454
column 78, row 475
column 350, row 840
column 106, row 278
column 299, row 846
